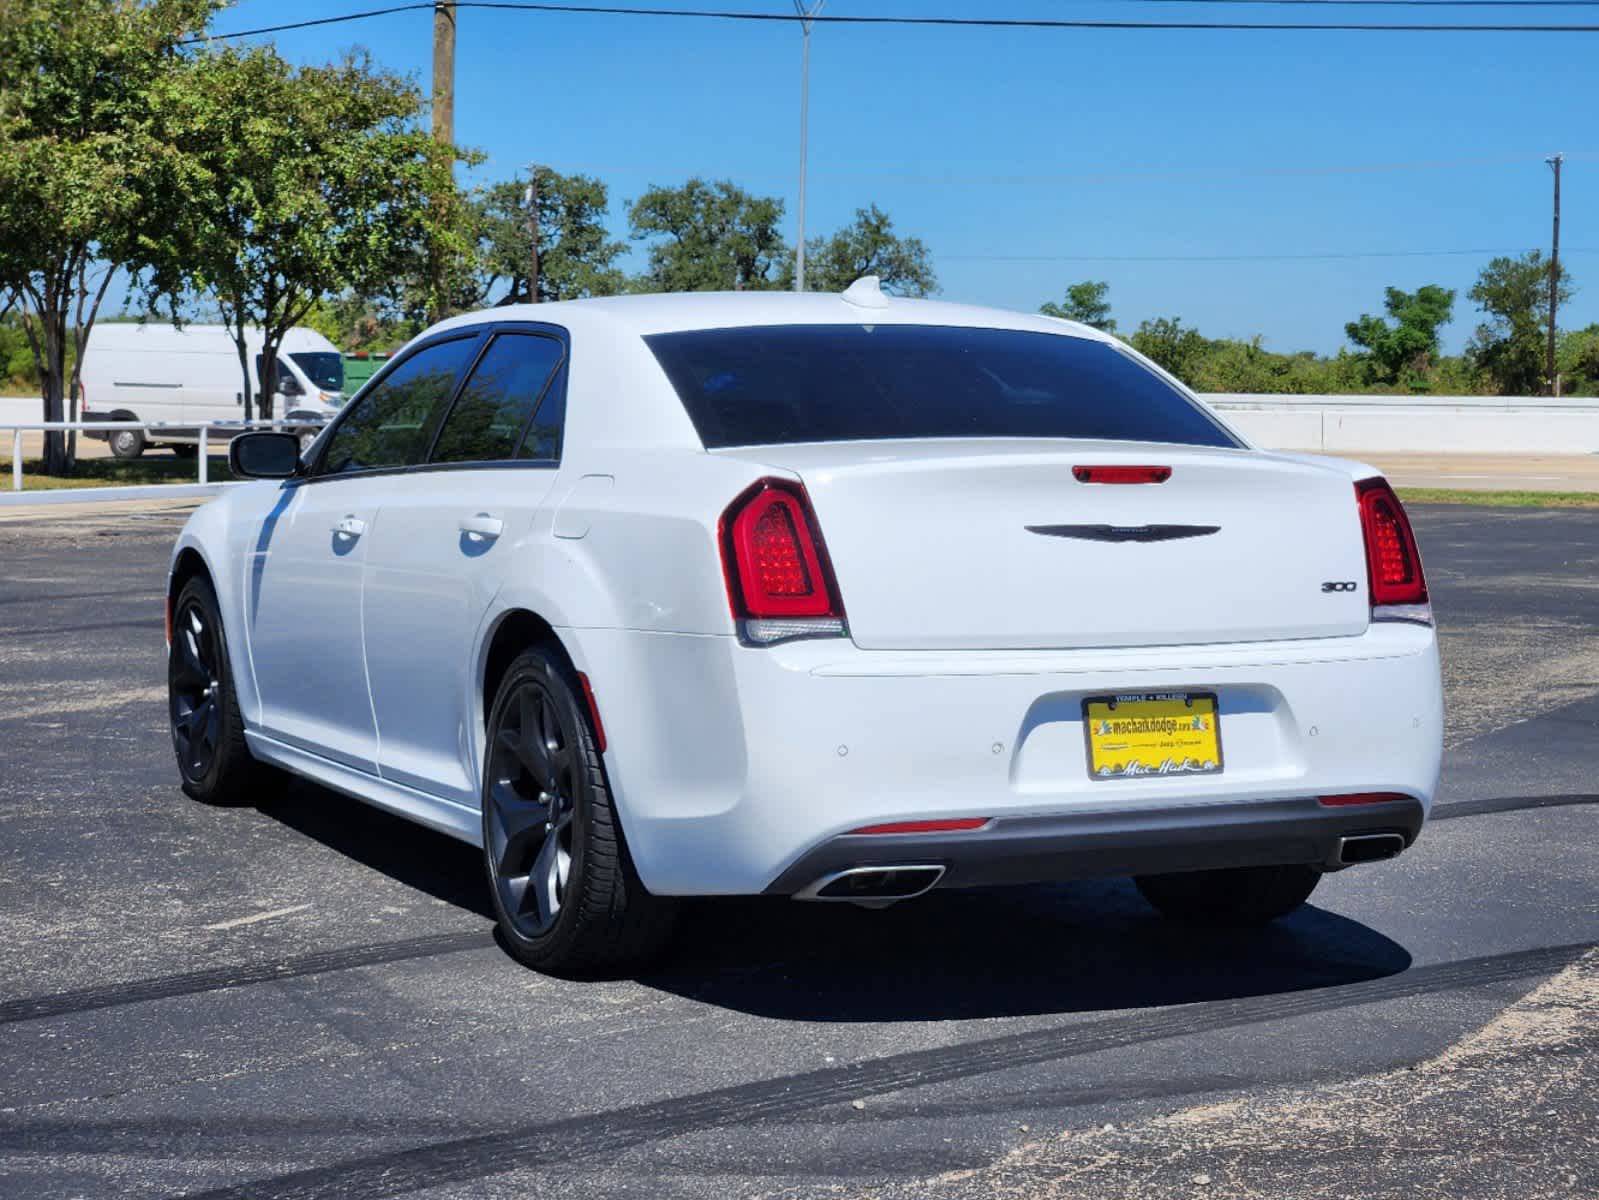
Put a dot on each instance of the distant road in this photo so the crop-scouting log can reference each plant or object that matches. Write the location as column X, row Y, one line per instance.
column 1491, row 472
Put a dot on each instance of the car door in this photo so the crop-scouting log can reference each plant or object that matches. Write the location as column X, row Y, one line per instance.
column 444, row 543
column 303, row 594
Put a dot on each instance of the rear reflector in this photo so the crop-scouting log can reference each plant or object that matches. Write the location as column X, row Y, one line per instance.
column 1121, row 474
column 1363, row 798
column 1393, row 563
column 955, row 825
column 779, row 581
column 594, row 712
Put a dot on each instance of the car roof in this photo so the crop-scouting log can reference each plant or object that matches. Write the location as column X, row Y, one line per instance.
column 673, row 312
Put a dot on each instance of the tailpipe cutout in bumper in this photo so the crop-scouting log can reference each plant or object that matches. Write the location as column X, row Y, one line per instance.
column 874, row 887
column 1359, row 848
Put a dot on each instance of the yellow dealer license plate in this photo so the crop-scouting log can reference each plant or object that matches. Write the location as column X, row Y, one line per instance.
column 1152, row 733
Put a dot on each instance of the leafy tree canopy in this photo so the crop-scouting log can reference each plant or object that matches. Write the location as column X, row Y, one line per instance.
column 1510, row 345
column 866, row 246
column 708, row 237
column 577, row 256
column 1166, row 342
column 82, row 159
column 298, row 184
column 1087, row 302
column 1410, row 341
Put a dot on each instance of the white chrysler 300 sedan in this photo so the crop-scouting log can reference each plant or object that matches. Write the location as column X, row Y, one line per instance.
column 832, row 597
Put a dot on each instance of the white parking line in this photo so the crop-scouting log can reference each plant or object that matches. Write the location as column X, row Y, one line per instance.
column 251, row 920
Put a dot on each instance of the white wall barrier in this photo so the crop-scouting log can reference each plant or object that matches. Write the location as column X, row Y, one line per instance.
column 1415, row 424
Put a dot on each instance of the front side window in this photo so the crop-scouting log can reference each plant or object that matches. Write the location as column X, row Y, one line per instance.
column 393, row 423
column 764, row 385
column 502, row 393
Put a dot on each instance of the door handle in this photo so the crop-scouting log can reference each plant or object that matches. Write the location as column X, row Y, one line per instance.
column 483, row 525
column 351, row 526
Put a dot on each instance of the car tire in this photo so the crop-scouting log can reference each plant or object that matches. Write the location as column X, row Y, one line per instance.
column 187, row 450
column 214, row 762
column 563, row 885
column 1238, row 897
column 126, row 443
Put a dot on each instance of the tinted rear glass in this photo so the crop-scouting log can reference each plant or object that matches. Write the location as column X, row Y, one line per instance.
column 761, row 385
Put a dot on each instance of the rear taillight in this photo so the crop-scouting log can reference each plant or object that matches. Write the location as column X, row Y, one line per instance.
column 1393, row 564
column 779, row 580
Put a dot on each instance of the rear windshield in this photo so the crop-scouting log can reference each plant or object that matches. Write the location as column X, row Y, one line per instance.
column 767, row 384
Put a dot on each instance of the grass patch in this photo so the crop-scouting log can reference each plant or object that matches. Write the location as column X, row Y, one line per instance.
column 1503, row 499
column 116, row 472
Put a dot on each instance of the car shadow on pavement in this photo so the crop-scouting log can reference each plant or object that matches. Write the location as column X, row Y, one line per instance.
column 949, row 955
column 957, row 955
column 421, row 858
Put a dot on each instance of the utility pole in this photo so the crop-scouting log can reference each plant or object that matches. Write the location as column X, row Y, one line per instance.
column 533, row 232
column 805, row 110
column 1554, row 278
column 444, row 70
column 443, row 124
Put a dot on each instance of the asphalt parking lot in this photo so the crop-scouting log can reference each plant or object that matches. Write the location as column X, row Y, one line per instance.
column 305, row 999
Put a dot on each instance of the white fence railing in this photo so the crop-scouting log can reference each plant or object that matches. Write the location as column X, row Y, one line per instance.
column 169, row 431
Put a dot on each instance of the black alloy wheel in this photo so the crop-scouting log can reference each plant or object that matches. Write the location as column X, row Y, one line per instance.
column 195, row 688
column 565, row 891
column 529, row 809
column 214, row 760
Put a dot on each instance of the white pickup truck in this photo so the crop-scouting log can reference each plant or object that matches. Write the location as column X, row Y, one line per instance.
column 190, row 377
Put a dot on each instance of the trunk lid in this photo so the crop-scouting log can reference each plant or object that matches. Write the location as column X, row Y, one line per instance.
column 995, row 545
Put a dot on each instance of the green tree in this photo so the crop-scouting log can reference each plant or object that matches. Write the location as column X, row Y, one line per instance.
column 1168, row 344
column 1577, row 359
column 1086, row 302
column 81, row 168
column 708, row 237
column 866, row 246
column 577, row 256
column 1510, row 345
column 300, row 184
column 1410, row 343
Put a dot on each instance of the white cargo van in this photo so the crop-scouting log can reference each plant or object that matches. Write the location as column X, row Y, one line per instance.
column 190, row 377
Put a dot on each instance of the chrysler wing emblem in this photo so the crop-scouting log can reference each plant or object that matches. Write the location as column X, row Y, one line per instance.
column 1124, row 533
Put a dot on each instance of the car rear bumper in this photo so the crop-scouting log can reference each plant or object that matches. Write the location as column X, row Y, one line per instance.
column 741, row 770
column 1098, row 845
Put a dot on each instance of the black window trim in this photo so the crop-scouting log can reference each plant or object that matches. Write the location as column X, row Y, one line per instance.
column 484, row 332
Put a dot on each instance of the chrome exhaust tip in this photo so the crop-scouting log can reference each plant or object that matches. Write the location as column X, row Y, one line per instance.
column 1368, row 848
column 874, row 887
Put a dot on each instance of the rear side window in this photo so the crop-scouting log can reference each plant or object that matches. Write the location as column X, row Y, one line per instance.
column 393, row 422
column 502, row 393
column 764, row 385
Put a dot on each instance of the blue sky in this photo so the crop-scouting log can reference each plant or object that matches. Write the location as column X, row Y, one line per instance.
column 1021, row 156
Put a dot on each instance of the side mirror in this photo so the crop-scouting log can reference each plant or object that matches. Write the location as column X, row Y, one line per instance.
column 266, row 454
column 288, row 385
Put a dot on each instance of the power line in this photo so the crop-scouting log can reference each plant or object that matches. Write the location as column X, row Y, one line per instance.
column 1102, row 177
column 1206, row 258
column 923, row 22
column 311, row 24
